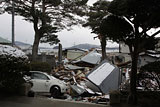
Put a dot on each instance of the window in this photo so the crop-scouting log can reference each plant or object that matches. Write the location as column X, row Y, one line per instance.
column 39, row 76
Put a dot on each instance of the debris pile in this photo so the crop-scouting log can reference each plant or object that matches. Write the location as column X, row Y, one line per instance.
column 89, row 79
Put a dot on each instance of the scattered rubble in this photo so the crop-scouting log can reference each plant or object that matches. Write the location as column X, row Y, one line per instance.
column 90, row 79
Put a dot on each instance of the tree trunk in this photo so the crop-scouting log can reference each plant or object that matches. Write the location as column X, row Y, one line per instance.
column 132, row 98
column 38, row 32
column 35, row 46
column 103, row 46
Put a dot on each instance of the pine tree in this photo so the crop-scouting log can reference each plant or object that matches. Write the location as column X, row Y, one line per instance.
column 129, row 22
column 97, row 12
column 48, row 17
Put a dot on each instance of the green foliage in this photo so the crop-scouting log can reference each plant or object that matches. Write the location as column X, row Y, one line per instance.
column 54, row 3
column 143, row 12
column 50, row 36
column 126, row 17
column 49, row 16
column 40, row 66
column 11, row 73
column 96, row 14
column 116, row 28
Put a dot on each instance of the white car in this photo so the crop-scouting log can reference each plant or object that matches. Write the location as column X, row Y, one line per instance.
column 42, row 82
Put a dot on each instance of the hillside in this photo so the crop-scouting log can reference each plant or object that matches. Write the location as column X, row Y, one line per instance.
column 85, row 46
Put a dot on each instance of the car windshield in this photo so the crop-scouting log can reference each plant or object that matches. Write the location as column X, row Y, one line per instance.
column 42, row 76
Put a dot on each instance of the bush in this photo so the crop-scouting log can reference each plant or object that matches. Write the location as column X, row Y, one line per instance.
column 149, row 76
column 40, row 66
column 13, row 64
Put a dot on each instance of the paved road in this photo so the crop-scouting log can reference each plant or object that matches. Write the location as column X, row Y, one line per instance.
column 42, row 102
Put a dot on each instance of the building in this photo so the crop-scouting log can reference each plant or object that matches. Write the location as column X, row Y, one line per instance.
column 148, row 57
column 74, row 53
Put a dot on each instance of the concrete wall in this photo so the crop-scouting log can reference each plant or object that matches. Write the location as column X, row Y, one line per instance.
column 124, row 48
column 146, row 59
column 50, row 59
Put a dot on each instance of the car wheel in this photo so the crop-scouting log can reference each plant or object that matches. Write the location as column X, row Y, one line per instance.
column 55, row 92
column 31, row 93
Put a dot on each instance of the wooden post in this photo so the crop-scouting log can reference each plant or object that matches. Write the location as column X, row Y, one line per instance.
column 60, row 55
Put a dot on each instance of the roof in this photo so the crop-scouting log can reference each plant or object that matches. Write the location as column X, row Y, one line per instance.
column 151, row 53
column 4, row 41
column 92, row 58
column 76, row 49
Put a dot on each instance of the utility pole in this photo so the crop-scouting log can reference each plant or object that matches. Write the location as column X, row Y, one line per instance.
column 13, row 14
column 60, row 55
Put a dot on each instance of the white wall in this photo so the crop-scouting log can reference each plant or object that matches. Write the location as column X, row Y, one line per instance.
column 124, row 48
column 72, row 54
column 146, row 59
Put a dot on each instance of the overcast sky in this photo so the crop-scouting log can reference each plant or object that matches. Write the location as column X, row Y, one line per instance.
column 24, row 32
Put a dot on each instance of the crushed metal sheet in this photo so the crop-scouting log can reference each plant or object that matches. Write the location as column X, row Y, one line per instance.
column 73, row 67
column 77, row 90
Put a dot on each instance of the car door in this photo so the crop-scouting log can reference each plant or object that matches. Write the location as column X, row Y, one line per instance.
column 40, row 82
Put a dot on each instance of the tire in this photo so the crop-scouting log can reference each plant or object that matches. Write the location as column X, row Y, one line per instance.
column 31, row 94
column 55, row 92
